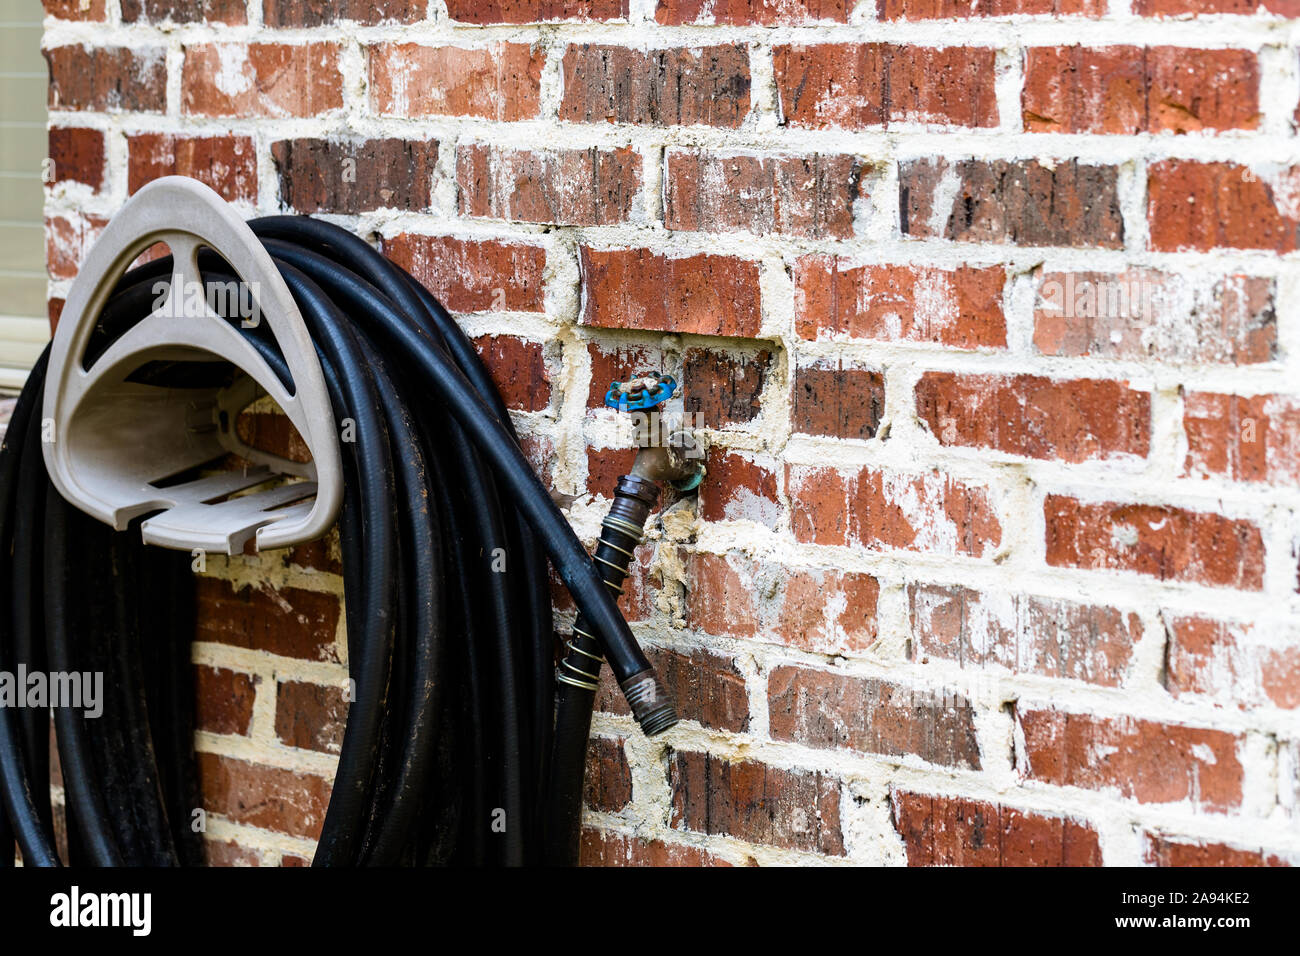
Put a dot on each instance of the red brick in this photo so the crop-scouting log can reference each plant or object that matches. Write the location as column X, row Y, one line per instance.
column 608, row 783
column 953, row 831
column 1125, row 89
column 826, row 611
column 975, row 9
column 314, row 13
column 519, row 370
column 109, row 79
column 830, row 709
column 1014, row 201
column 230, row 853
column 701, row 86
column 567, row 187
column 288, row 621
column 1169, row 851
column 768, row 13
column 319, row 175
column 76, row 9
column 77, row 155
column 294, row 860
column 499, row 82
column 602, row 848
column 535, row 11
column 224, row 699
column 272, row 432
column 1064, row 420
column 857, row 85
column 961, row 308
column 1142, row 760
column 706, row 685
column 809, row 196
column 841, row 402
column 739, row 486
column 639, row 289
column 1236, row 664
column 184, row 11
column 1243, row 438
column 752, row 801
column 724, row 387
column 919, row 512
column 1147, row 314
column 1201, row 206
column 261, row 79
column 1172, row 544
column 285, row 801
column 1025, row 634
column 227, row 164
column 310, row 716
column 474, row 275
column 67, row 240
column 1175, row 8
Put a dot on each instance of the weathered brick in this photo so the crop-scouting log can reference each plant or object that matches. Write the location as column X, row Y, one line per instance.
column 535, row 11
column 224, row 699
column 272, row 432
column 961, row 308
column 702, row 86
column 567, row 187
column 1143, row 760
column 608, row 782
column 1124, row 89
column 768, row 13
column 500, row 82
column 1243, row 438
column 1241, row 665
column 290, row 622
column 942, row 830
column 1037, row 417
column 1176, row 8
column 724, row 387
column 310, row 716
column 474, row 275
column 519, row 370
column 1161, row 850
column 184, row 11
column 974, row 9
column 1014, row 201
column 285, row 801
column 315, row 13
column 706, row 684
column 1148, row 314
column 875, row 509
column 76, row 9
column 810, row 196
column 857, row 85
column 318, row 175
column 741, row 487
column 755, row 802
column 829, row 709
column 602, row 848
column 77, row 155
column 67, row 240
column 261, row 79
column 109, row 79
column 226, row 163
column 841, row 402
column 827, row 611
column 702, row 294
column 1201, row 206
column 230, row 853
column 1022, row 633
column 1172, row 544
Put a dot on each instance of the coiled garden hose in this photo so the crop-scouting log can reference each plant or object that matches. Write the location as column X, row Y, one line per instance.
column 450, row 753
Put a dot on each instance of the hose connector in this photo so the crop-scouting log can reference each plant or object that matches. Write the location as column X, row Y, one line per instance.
column 651, row 704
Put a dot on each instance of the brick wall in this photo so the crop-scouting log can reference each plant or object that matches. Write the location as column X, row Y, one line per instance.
column 997, row 342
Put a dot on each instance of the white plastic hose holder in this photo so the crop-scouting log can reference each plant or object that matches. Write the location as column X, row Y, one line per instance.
column 118, row 442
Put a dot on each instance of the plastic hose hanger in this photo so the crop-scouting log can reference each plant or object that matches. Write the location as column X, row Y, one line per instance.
column 127, row 441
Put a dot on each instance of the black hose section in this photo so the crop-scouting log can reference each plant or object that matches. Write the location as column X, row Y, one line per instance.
column 578, row 675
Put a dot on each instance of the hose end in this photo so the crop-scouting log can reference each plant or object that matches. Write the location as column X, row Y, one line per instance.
column 651, row 704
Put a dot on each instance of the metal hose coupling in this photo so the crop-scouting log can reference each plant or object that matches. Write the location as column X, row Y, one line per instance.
column 651, row 704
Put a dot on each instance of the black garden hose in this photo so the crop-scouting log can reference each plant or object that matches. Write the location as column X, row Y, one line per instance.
column 445, row 533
